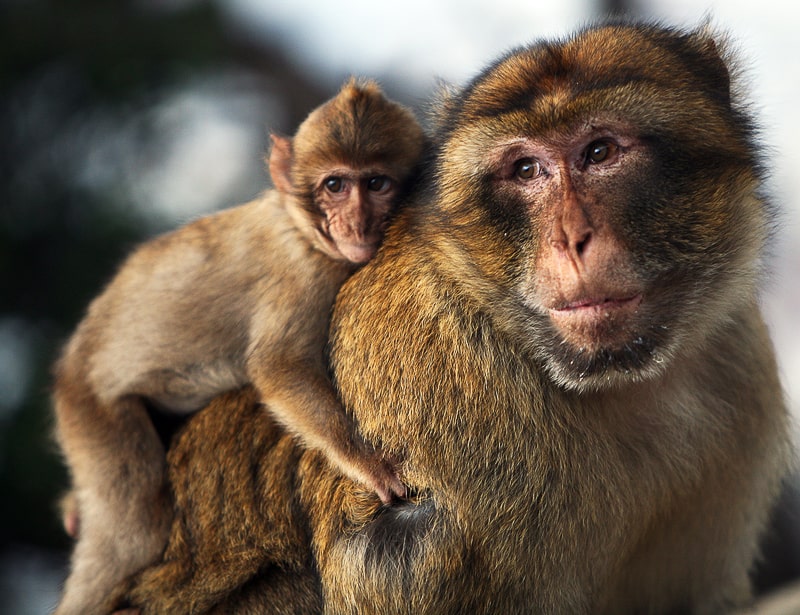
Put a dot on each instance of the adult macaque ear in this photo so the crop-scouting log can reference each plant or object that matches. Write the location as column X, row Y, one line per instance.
column 280, row 163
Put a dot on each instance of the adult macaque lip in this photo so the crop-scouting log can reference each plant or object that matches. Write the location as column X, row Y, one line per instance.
column 599, row 304
column 597, row 323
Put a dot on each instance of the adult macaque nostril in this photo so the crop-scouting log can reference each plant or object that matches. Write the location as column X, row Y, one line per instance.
column 582, row 244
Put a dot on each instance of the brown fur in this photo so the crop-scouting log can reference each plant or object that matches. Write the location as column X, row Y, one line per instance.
column 241, row 539
column 242, row 296
column 248, row 468
column 633, row 480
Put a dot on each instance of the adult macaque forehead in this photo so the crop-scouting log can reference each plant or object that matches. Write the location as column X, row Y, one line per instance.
column 551, row 82
column 639, row 82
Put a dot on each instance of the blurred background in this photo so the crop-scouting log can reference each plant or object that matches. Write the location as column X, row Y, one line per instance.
column 119, row 120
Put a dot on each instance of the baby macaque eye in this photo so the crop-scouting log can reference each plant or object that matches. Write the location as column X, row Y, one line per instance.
column 527, row 168
column 600, row 151
column 378, row 183
column 334, row 184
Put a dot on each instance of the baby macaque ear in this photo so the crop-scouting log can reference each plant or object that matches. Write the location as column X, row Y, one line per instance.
column 280, row 163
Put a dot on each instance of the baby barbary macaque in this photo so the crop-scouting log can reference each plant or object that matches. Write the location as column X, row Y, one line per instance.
column 241, row 296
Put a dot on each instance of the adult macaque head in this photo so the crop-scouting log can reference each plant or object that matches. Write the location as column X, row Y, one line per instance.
column 563, row 339
column 348, row 183
column 621, row 188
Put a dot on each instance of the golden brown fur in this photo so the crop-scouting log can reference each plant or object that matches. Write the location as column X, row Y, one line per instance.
column 567, row 479
column 559, row 464
column 247, row 476
column 241, row 296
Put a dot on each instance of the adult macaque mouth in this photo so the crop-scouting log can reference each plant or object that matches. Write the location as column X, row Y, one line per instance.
column 593, row 322
column 597, row 306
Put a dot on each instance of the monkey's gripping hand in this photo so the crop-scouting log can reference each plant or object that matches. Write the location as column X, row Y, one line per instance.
column 383, row 478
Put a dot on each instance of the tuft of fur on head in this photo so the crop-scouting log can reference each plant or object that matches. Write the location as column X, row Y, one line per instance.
column 358, row 128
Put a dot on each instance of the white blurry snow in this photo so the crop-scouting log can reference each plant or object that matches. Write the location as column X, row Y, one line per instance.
column 193, row 150
column 30, row 581
column 416, row 40
column 207, row 145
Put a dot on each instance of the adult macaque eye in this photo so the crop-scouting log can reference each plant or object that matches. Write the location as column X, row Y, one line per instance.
column 600, row 151
column 378, row 183
column 334, row 184
column 527, row 168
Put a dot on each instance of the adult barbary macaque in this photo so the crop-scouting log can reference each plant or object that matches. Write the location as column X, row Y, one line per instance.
column 571, row 333
column 560, row 338
column 242, row 296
